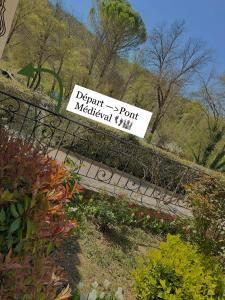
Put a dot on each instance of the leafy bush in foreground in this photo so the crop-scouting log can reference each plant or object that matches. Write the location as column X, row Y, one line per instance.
column 178, row 271
column 206, row 198
column 20, row 163
column 22, row 209
column 31, row 277
column 34, row 190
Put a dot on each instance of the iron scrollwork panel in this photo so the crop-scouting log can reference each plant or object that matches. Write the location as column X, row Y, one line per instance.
column 138, row 169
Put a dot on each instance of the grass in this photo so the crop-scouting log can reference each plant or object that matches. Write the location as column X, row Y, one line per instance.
column 95, row 256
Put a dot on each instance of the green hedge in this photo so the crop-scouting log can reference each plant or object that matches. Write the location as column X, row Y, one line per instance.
column 129, row 155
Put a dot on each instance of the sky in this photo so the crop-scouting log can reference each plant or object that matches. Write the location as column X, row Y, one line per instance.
column 205, row 19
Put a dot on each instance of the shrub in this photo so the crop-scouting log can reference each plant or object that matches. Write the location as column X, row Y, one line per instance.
column 21, row 210
column 206, row 197
column 34, row 277
column 130, row 156
column 33, row 219
column 20, row 162
column 107, row 212
column 178, row 271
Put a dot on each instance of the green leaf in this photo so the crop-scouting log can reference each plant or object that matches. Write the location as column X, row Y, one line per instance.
column 15, row 225
column 20, row 208
column 18, row 247
column 9, row 241
column 27, row 202
column 2, row 216
column 30, row 228
column 6, row 196
column 50, row 248
column 13, row 211
column 69, row 163
column 163, row 283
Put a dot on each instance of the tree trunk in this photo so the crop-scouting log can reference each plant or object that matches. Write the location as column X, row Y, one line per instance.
column 90, row 68
column 33, row 80
column 38, row 82
column 101, row 75
column 58, row 72
column 105, row 67
column 70, row 87
column 156, row 123
column 126, row 87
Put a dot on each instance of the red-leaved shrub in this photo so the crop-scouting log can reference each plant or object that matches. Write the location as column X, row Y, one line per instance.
column 33, row 192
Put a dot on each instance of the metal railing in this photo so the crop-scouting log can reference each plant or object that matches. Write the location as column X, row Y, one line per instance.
column 104, row 160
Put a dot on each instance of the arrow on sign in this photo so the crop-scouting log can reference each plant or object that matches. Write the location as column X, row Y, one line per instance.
column 29, row 72
column 114, row 109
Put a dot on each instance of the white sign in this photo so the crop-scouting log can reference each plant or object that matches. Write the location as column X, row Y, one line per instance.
column 109, row 111
column 7, row 12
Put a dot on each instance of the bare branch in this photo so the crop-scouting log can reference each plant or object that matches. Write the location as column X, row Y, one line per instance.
column 173, row 62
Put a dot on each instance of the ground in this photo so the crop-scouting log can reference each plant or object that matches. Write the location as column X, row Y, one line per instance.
column 95, row 256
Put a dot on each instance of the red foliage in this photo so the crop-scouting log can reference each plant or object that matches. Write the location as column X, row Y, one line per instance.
column 131, row 205
column 31, row 276
column 19, row 162
column 153, row 214
column 42, row 188
column 55, row 192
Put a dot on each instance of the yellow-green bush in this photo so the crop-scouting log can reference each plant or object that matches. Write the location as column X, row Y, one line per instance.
column 178, row 271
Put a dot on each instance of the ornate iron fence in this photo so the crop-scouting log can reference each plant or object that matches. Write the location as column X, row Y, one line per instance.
column 104, row 160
